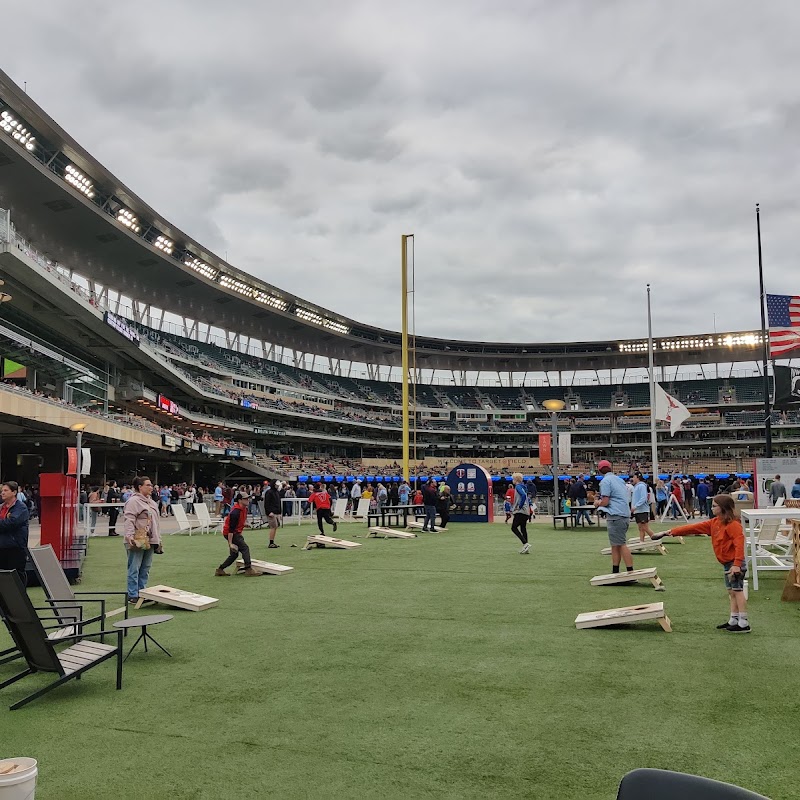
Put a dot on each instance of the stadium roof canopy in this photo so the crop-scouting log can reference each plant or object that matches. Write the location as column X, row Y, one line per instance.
column 76, row 212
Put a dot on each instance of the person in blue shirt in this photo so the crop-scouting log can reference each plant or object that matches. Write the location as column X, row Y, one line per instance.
column 796, row 489
column 614, row 499
column 640, row 506
column 704, row 498
column 520, row 513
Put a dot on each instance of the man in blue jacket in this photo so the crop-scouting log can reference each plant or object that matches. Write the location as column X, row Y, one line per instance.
column 14, row 516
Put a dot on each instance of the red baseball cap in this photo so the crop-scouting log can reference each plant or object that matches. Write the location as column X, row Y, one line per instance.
column 601, row 465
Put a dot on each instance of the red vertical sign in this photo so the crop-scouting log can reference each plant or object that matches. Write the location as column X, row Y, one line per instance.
column 72, row 461
column 545, row 448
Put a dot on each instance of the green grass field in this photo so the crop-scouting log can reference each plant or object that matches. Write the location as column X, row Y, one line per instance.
column 446, row 666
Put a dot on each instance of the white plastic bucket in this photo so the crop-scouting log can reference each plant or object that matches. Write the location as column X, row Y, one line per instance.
column 20, row 784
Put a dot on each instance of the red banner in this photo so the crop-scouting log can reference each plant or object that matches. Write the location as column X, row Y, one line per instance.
column 72, row 461
column 545, row 448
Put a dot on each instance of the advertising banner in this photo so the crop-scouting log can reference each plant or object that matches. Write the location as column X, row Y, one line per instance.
column 764, row 473
column 564, row 448
column 545, row 449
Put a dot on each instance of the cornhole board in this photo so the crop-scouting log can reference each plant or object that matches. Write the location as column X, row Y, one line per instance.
column 678, row 539
column 329, row 541
column 390, row 533
column 621, row 616
column 169, row 596
column 647, row 546
column 649, row 574
column 265, row 567
column 417, row 526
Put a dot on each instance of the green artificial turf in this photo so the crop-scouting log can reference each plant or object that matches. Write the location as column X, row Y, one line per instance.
column 445, row 666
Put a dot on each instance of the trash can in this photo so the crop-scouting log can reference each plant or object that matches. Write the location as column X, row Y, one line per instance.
column 18, row 778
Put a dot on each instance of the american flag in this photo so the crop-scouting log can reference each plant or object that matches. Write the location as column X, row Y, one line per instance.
column 783, row 319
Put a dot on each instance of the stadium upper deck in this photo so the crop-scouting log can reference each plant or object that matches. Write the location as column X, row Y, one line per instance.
column 77, row 212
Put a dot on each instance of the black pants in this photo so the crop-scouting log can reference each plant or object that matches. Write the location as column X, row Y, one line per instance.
column 445, row 515
column 519, row 527
column 324, row 514
column 244, row 552
column 113, row 513
column 15, row 558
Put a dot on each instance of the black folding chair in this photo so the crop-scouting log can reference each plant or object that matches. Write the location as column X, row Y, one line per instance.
column 662, row 784
column 60, row 594
column 30, row 637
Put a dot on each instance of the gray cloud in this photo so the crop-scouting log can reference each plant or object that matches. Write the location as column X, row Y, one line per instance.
column 551, row 158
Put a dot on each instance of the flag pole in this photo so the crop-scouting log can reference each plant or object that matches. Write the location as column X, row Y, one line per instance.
column 653, row 434
column 765, row 341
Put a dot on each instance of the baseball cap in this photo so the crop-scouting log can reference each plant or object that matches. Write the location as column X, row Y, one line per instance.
column 601, row 465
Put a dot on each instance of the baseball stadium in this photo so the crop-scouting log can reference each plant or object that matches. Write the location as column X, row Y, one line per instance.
column 399, row 643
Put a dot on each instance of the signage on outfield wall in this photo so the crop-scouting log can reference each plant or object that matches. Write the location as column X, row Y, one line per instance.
column 269, row 432
column 171, row 441
column 212, row 450
column 190, row 444
column 122, row 327
column 232, row 452
column 471, row 494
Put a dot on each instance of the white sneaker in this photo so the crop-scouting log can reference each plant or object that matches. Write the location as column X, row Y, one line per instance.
column 525, row 549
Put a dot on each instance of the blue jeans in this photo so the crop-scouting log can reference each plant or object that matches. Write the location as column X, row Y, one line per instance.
column 139, row 562
column 430, row 517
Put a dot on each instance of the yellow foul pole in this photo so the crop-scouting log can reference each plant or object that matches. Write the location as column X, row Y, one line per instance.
column 404, row 313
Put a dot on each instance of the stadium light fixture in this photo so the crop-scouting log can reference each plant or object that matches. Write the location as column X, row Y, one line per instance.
column 162, row 243
column 16, row 130
column 270, row 300
column 77, row 179
column 200, row 266
column 308, row 315
column 332, row 325
column 128, row 220
column 229, row 282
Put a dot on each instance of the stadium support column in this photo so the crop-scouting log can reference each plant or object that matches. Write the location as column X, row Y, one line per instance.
column 404, row 346
column 765, row 342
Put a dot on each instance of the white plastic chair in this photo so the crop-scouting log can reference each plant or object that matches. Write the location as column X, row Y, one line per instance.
column 340, row 508
column 204, row 518
column 184, row 523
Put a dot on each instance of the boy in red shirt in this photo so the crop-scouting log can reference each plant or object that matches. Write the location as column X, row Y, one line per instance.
column 232, row 531
column 509, row 501
column 727, row 539
column 321, row 500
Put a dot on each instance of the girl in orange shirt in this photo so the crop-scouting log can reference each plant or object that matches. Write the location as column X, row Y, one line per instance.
column 727, row 539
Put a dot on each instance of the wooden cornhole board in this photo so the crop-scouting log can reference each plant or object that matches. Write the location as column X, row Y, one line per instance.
column 390, row 533
column 176, row 597
column 266, row 567
column 417, row 526
column 621, row 616
column 649, row 574
column 678, row 539
column 329, row 541
column 647, row 546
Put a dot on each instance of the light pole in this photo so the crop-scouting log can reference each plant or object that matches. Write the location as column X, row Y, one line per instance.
column 78, row 428
column 554, row 406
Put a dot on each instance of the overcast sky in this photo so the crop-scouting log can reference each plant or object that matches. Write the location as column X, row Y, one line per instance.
column 551, row 158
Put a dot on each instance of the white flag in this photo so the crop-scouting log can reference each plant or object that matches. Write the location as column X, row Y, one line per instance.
column 670, row 409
